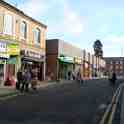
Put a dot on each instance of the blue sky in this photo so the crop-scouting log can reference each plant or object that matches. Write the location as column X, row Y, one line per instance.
column 81, row 22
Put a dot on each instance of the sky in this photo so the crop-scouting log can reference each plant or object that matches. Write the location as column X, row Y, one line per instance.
column 81, row 22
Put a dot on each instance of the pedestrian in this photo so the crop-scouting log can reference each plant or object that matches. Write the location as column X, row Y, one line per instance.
column 73, row 75
column 19, row 79
column 69, row 75
column 23, row 81
column 27, row 79
column 114, row 78
column 79, row 78
column 34, row 79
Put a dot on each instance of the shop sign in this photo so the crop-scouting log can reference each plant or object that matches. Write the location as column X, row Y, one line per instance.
column 13, row 49
column 4, row 55
column 66, row 59
column 78, row 60
column 33, row 54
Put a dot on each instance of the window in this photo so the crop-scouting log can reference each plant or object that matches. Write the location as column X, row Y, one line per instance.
column 111, row 62
column 121, row 62
column 121, row 67
column 111, row 67
column 117, row 62
column 8, row 24
column 37, row 35
column 24, row 29
column 117, row 67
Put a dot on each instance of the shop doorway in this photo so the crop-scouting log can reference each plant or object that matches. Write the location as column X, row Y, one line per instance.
column 1, row 73
column 37, row 66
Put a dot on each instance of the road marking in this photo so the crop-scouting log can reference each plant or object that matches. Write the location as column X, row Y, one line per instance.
column 112, row 106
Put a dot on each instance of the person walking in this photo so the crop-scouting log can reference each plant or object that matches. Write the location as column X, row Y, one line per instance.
column 114, row 78
column 34, row 79
column 69, row 75
column 23, row 81
column 19, row 79
column 27, row 79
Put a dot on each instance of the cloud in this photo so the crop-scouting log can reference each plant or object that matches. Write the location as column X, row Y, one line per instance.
column 73, row 23
column 35, row 8
column 70, row 23
column 118, row 40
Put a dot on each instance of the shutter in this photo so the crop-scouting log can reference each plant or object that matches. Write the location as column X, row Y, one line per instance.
column 1, row 22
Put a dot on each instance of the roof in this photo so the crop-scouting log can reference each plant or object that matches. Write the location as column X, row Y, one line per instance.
column 114, row 58
column 7, row 5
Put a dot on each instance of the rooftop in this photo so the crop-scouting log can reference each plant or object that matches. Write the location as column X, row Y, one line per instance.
column 7, row 5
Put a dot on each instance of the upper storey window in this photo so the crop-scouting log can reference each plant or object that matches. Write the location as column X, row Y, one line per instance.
column 8, row 24
column 23, row 29
column 37, row 34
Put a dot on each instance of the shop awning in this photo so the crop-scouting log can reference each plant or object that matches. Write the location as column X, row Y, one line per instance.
column 29, row 59
column 12, row 60
column 66, row 59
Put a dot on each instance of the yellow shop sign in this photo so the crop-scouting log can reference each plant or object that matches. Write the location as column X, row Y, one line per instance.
column 13, row 49
column 77, row 60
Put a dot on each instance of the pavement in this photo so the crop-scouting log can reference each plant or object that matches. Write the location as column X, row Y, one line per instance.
column 7, row 92
column 68, row 103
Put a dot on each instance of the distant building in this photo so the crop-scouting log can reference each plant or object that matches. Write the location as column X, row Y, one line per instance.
column 115, row 64
column 62, row 57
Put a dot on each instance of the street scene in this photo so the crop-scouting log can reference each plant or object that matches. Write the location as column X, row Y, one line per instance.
column 61, row 62
column 66, row 103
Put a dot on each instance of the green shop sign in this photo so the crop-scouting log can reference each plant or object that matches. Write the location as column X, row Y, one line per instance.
column 12, row 60
column 66, row 59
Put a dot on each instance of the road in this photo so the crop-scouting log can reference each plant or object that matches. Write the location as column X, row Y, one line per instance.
column 69, row 103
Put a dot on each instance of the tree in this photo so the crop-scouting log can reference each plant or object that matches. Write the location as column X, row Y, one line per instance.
column 98, row 48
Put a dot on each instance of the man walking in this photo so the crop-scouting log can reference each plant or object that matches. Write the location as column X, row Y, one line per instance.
column 27, row 80
column 19, row 79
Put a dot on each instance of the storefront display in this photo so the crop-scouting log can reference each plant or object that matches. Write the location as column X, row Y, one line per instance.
column 32, row 59
column 66, row 64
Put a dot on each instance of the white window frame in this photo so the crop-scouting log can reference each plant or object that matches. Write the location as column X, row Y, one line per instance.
column 8, row 33
column 34, row 29
column 23, row 37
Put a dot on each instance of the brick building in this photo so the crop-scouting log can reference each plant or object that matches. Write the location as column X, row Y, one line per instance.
column 22, row 41
column 115, row 64
column 62, row 57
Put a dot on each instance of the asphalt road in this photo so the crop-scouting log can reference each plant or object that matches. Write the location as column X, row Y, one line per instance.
column 69, row 103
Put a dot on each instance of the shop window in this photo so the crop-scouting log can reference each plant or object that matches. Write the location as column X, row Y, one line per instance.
column 23, row 30
column 8, row 24
column 121, row 62
column 117, row 62
column 37, row 34
column 111, row 62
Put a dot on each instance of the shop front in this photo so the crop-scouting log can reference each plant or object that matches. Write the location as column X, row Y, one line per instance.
column 86, row 72
column 12, row 63
column 78, row 63
column 66, row 64
column 3, row 58
column 33, row 60
column 9, row 56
